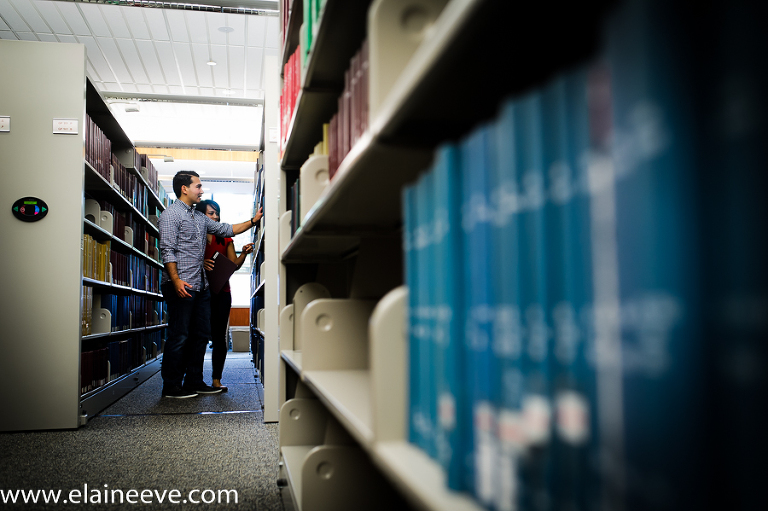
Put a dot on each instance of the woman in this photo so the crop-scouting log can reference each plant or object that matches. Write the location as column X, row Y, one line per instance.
column 221, row 302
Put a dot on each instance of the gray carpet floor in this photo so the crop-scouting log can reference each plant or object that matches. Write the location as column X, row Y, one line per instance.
column 197, row 446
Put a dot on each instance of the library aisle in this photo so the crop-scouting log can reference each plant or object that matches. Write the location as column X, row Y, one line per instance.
column 201, row 447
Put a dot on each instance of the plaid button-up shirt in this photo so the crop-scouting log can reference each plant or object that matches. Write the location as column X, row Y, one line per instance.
column 182, row 241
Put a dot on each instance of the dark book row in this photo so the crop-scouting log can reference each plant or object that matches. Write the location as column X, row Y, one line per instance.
column 101, row 366
column 351, row 119
column 141, row 240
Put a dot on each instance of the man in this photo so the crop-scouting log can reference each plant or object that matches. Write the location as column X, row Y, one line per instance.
column 185, row 288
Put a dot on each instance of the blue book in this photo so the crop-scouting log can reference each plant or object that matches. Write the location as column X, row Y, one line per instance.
column 411, row 277
column 646, row 275
column 537, row 405
column 425, row 260
column 449, row 302
column 477, row 216
column 508, row 333
column 566, row 128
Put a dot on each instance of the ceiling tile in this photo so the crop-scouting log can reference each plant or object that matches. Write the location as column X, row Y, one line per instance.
column 160, row 89
column 145, row 88
column 237, row 37
column 31, row 16
column 27, row 36
column 216, row 20
column 257, row 30
column 236, row 67
column 52, row 17
column 97, row 58
column 8, row 36
column 132, row 60
column 221, row 69
column 115, row 59
column 3, row 26
column 156, row 22
column 117, row 24
column 206, row 91
column 64, row 38
column 176, row 90
column 204, row 74
column 97, row 23
column 73, row 17
column 178, row 24
column 15, row 22
column 273, row 33
column 198, row 28
column 130, row 87
column 168, row 62
column 134, row 18
column 183, row 53
column 151, row 64
column 48, row 38
column 254, row 58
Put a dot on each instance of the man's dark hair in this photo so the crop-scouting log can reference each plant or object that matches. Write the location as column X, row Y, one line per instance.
column 182, row 178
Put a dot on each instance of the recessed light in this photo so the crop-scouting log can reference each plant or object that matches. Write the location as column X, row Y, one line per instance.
column 226, row 30
column 211, row 63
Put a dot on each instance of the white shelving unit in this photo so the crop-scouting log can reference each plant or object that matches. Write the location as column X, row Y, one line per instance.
column 437, row 68
column 42, row 331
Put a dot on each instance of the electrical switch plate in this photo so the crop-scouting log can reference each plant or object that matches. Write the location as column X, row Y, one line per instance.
column 5, row 123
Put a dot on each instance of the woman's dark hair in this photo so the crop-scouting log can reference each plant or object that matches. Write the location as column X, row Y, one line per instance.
column 202, row 207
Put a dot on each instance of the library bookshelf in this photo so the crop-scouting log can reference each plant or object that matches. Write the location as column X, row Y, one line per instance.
column 431, row 71
column 98, row 240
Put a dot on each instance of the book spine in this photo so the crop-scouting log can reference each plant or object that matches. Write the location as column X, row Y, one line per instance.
column 478, row 315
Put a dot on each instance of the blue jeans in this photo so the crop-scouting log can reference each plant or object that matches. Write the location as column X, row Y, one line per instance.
column 189, row 329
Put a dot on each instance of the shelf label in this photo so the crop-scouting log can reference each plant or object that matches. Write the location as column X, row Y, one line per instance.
column 273, row 134
column 65, row 126
column 5, row 123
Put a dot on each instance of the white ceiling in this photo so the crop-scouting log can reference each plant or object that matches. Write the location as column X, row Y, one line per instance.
column 158, row 58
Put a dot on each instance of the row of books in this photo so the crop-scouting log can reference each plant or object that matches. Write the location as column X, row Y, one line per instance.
column 96, row 257
column 148, row 171
column 134, row 272
column 292, row 81
column 584, row 270
column 126, row 311
column 98, row 148
column 102, row 263
column 311, row 12
column 130, row 186
column 351, row 119
column 118, row 358
column 142, row 240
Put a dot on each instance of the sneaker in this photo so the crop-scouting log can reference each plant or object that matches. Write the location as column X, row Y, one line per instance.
column 179, row 393
column 207, row 389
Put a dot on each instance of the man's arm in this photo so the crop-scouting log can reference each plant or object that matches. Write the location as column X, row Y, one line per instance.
column 221, row 229
column 180, row 285
column 242, row 227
